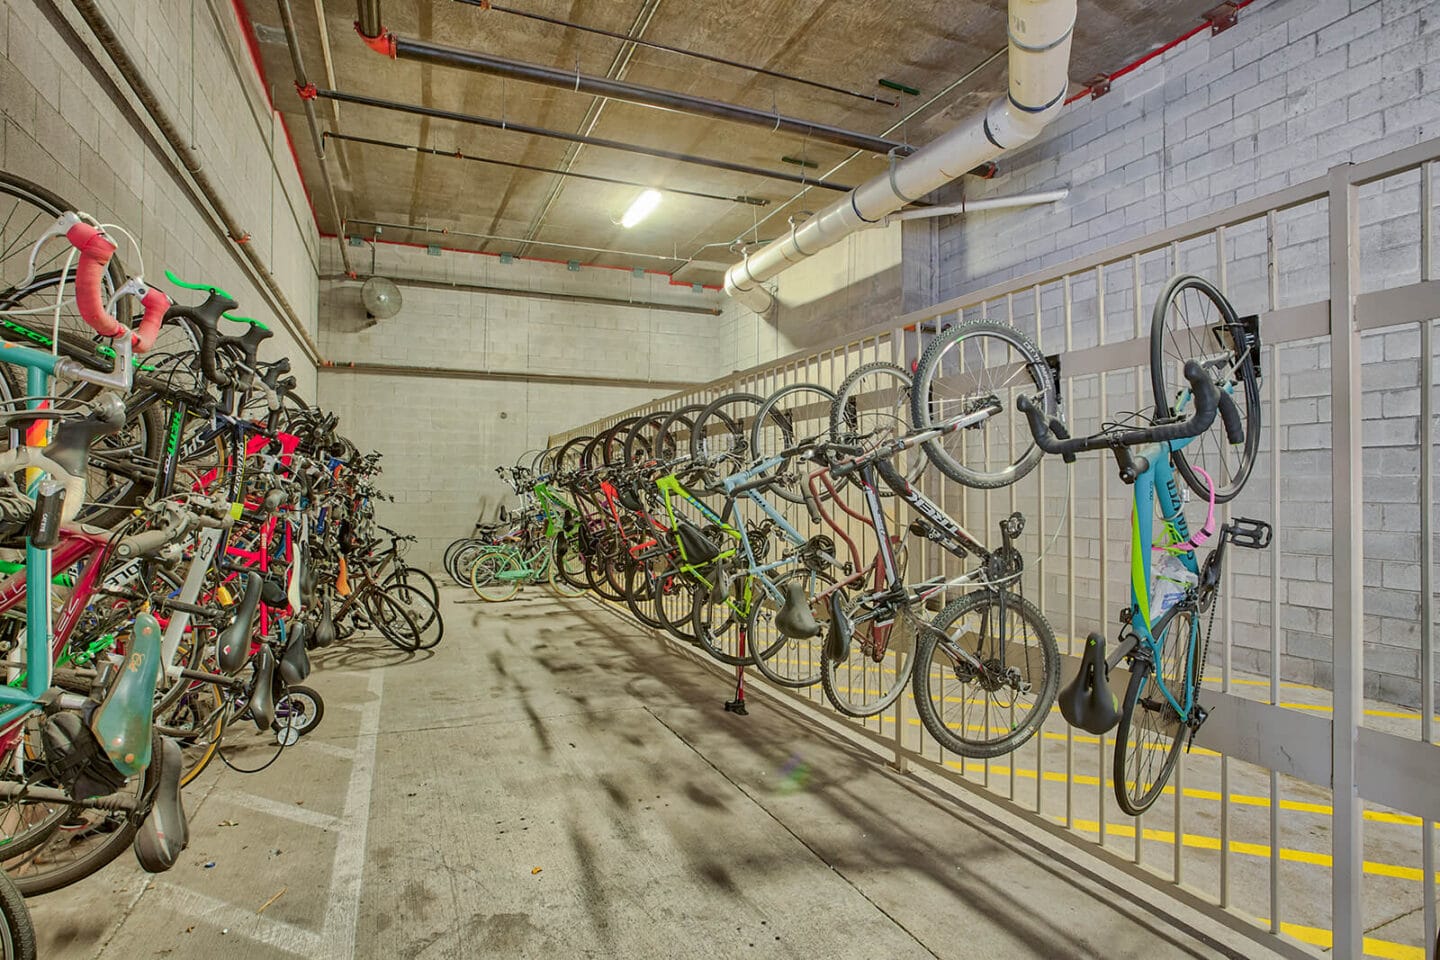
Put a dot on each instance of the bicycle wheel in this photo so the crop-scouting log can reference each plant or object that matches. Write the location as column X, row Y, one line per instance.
column 495, row 575
column 392, row 618
column 967, row 369
column 565, row 567
column 640, row 594
column 1194, row 321
column 788, row 661
column 719, row 626
column 791, row 415
column 1147, row 742
column 422, row 610
column 197, row 721
column 872, row 407
column 17, row 932
column 85, row 840
column 674, row 601
column 876, row 664
column 639, row 447
column 720, row 434
column 300, row 711
column 984, row 686
column 415, row 577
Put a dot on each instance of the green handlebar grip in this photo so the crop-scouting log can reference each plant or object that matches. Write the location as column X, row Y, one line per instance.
column 249, row 320
column 169, row 275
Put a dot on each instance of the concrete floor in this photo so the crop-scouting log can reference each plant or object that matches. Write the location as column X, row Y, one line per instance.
column 551, row 783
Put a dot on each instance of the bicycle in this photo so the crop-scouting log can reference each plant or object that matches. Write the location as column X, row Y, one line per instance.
column 1161, row 636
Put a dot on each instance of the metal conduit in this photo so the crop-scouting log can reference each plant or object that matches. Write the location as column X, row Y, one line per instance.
column 178, row 142
column 473, row 60
column 287, row 21
column 494, row 124
column 654, row 45
column 503, row 239
column 458, row 155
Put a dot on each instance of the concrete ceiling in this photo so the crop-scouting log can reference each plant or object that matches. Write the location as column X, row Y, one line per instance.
column 851, row 45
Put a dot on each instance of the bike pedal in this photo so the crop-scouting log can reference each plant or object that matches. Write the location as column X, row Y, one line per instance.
column 1245, row 532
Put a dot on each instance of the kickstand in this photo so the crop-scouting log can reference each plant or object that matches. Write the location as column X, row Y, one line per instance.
column 738, row 704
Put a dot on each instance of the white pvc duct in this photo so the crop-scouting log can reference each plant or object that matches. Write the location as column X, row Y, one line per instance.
column 1039, row 60
column 976, row 206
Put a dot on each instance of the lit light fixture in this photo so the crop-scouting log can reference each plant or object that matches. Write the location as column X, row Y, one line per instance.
column 643, row 206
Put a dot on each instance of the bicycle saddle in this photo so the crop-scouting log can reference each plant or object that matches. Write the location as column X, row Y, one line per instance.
column 166, row 831
column 233, row 644
column 262, row 696
column 123, row 720
column 795, row 619
column 294, row 663
column 837, row 641
column 324, row 634
column 1087, row 702
column 699, row 549
column 626, row 495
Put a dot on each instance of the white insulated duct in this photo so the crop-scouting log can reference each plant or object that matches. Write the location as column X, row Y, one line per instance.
column 1039, row 62
column 976, row 206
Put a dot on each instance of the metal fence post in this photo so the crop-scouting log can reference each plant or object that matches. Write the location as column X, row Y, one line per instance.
column 1347, row 505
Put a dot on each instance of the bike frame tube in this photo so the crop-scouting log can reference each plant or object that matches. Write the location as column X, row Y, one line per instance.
column 1157, row 484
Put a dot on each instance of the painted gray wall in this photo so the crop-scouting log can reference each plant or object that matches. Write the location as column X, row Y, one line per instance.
column 1294, row 89
column 443, row 438
column 59, row 131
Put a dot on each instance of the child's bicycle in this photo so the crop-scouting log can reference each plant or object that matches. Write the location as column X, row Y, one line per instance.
column 1171, row 591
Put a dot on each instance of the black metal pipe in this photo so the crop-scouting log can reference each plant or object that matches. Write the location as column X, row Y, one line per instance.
column 287, row 21
column 456, row 154
column 440, row 55
column 494, row 124
column 367, row 18
column 711, row 58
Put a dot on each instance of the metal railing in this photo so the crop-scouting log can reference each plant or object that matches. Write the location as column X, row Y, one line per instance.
column 1285, row 767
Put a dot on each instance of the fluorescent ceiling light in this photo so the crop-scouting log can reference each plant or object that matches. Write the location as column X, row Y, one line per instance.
column 643, row 206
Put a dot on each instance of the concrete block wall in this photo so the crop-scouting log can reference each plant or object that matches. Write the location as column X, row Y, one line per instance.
column 61, row 132
column 1294, row 89
column 446, row 436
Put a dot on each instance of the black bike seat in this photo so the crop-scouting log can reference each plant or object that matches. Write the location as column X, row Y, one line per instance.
column 233, row 644
column 699, row 549
column 795, row 619
column 166, row 831
column 1087, row 702
column 262, row 697
column 294, row 662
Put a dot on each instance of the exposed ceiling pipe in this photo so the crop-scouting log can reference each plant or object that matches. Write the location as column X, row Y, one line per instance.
column 420, row 51
column 494, row 124
column 179, row 143
column 975, row 206
column 287, row 21
column 653, row 45
column 367, row 19
column 595, row 178
column 490, row 236
column 1039, row 35
column 619, row 66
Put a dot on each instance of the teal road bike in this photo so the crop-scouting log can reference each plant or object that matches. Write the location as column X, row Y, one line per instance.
column 1203, row 434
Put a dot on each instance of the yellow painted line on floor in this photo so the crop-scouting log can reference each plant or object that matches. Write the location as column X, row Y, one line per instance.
column 1324, row 939
column 1201, row 842
column 1192, row 793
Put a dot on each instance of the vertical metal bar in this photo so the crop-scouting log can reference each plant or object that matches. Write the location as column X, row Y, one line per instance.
column 1427, row 535
column 1104, row 533
column 1140, row 404
column 1069, row 560
column 1040, row 573
column 1178, row 847
column 1226, row 623
column 1347, row 516
column 1273, row 288
column 1010, row 452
